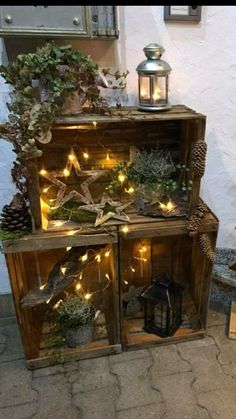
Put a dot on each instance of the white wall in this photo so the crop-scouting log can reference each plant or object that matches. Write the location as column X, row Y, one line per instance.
column 203, row 61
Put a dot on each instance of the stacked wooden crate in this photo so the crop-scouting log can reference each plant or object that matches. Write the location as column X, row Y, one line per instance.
column 167, row 243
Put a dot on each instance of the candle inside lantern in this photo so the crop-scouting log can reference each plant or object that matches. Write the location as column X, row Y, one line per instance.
column 157, row 93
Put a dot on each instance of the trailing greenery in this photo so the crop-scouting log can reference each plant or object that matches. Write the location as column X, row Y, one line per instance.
column 74, row 311
column 61, row 71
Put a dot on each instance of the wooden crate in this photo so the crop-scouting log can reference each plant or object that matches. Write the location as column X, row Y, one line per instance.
column 29, row 262
column 175, row 130
column 165, row 248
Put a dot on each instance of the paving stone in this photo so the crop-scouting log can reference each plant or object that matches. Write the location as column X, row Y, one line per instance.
column 221, row 403
column 43, row 372
column 227, row 346
column 129, row 356
column 216, row 318
column 135, row 386
column 92, row 376
column 190, row 413
column 3, row 338
column 54, row 398
column 151, row 411
column 230, row 369
column 25, row 411
column 2, row 348
column 97, row 404
column 206, row 368
column 14, row 348
column 196, row 343
column 15, row 384
column 179, row 397
column 167, row 361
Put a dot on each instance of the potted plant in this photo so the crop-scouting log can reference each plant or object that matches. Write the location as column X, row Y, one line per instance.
column 75, row 315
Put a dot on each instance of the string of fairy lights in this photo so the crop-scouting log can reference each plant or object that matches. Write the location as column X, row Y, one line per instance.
column 87, row 295
column 72, row 161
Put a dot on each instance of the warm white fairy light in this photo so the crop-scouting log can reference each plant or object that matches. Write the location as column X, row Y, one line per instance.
column 71, row 157
column 107, row 276
column 126, row 282
column 130, row 190
column 107, row 254
column 84, row 257
column 142, row 259
column 45, row 190
column 98, row 258
column 57, row 304
column 85, row 155
column 88, row 296
column 132, row 269
column 121, row 177
column 68, row 248
column 43, row 172
column 107, row 156
column 143, row 249
column 78, row 287
column 42, row 287
column 63, row 270
column 66, row 172
column 80, row 275
column 167, row 207
column 125, row 229
column 95, row 124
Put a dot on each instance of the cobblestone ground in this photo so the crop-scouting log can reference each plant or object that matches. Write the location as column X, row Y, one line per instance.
column 191, row 380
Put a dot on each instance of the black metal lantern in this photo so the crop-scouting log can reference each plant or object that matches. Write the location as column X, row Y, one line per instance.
column 162, row 306
column 153, row 80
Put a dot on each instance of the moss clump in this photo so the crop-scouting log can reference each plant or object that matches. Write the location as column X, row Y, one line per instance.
column 70, row 211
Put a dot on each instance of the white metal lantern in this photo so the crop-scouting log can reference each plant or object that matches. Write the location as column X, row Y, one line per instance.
column 153, row 80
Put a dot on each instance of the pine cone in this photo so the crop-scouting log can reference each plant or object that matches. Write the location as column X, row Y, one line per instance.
column 206, row 247
column 15, row 218
column 196, row 218
column 199, row 157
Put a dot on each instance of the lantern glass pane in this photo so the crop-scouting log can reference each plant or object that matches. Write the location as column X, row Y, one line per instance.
column 160, row 316
column 159, row 89
column 144, row 89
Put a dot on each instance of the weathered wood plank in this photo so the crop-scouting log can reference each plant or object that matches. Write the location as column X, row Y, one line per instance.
column 68, row 355
column 232, row 321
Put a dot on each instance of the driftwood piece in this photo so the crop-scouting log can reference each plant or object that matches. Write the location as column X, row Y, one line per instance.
column 59, row 279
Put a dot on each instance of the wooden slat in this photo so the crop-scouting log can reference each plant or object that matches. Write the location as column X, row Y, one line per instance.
column 138, row 342
column 73, row 354
column 138, row 227
column 177, row 111
column 232, row 321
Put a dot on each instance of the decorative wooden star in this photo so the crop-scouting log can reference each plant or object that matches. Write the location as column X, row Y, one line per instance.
column 62, row 196
column 117, row 212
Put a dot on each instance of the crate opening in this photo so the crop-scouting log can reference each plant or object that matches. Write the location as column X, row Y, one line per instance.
column 147, row 164
column 145, row 262
column 82, row 277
